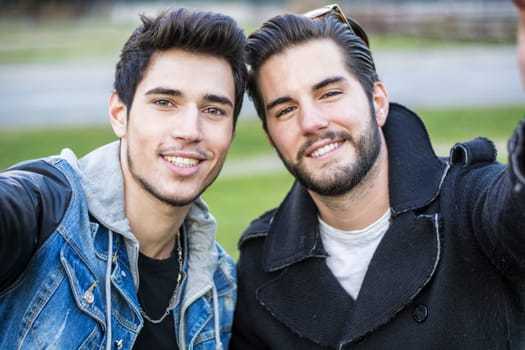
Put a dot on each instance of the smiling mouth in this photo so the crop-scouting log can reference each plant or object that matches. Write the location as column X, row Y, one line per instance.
column 325, row 149
column 182, row 162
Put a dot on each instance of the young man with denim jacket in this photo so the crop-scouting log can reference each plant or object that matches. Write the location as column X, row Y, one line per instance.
column 379, row 244
column 116, row 249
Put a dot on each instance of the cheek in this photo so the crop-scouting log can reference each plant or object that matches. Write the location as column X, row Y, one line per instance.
column 147, row 127
column 283, row 137
column 141, row 142
column 219, row 138
column 223, row 145
column 140, row 139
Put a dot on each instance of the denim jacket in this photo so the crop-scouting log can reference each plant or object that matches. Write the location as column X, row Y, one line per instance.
column 71, row 296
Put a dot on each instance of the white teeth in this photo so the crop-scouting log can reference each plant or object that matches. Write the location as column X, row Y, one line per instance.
column 325, row 149
column 182, row 162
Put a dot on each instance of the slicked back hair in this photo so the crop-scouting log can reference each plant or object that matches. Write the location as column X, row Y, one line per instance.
column 285, row 31
column 197, row 32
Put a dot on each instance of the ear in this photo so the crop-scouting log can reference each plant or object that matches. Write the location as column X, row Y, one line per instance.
column 381, row 102
column 118, row 115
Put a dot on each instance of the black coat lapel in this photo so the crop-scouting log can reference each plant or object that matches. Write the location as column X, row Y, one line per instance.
column 403, row 264
column 307, row 298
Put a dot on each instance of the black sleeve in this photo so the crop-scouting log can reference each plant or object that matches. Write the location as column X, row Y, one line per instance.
column 33, row 199
column 513, row 216
column 494, row 196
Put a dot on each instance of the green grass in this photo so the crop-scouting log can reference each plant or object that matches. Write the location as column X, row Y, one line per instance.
column 249, row 139
column 448, row 126
column 236, row 201
column 465, row 123
column 16, row 145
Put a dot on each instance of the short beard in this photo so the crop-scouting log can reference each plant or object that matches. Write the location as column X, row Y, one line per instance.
column 342, row 179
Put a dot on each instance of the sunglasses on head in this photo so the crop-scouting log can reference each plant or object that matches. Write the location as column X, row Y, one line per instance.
column 335, row 9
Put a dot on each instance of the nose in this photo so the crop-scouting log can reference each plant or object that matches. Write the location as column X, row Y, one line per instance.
column 187, row 125
column 311, row 119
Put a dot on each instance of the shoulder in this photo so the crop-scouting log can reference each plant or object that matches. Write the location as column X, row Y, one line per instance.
column 473, row 164
column 473, row 169
column 41, row 174
column 226, row 270
column 34, row 196
column 223, row 257
column 258, row 228
column 476, row 151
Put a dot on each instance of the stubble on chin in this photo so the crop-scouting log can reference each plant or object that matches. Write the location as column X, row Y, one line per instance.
column 338, row 179
column 150, row 188
column 154, row 191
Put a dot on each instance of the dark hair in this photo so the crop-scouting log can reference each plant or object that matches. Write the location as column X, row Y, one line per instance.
column 519, row 4
column 199, row 32
column 285, row 31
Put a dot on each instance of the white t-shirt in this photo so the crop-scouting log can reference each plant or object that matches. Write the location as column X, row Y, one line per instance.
column 350, row 252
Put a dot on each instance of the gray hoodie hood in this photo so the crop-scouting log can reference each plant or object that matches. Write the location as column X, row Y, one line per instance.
column 103, row 184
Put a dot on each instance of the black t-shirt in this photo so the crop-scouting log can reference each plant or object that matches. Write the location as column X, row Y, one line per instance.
column 158, row 280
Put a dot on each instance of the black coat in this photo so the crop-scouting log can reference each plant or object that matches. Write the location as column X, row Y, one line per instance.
column 448, row 274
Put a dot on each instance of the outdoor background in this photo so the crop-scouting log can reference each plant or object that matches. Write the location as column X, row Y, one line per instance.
column 453, row 62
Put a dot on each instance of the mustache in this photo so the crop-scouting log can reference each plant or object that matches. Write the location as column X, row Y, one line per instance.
column 173, row 149
column 342, row 135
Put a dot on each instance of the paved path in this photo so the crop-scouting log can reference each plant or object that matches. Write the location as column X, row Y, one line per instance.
column 260, row 164
column 77, row 93
column 470, row 76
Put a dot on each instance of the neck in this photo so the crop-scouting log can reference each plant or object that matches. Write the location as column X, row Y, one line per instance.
column 364, row 204
column 155, row 224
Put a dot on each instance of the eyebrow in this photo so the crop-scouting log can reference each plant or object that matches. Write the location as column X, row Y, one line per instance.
column 317, row 86
column 218, row 99
column 278, row 101
column 164, row 91
column 327, row 82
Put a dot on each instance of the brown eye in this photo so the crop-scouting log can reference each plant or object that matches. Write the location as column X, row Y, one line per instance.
column 215, row 111
column 331, row 93
column 284, row 111
column 163, row 103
